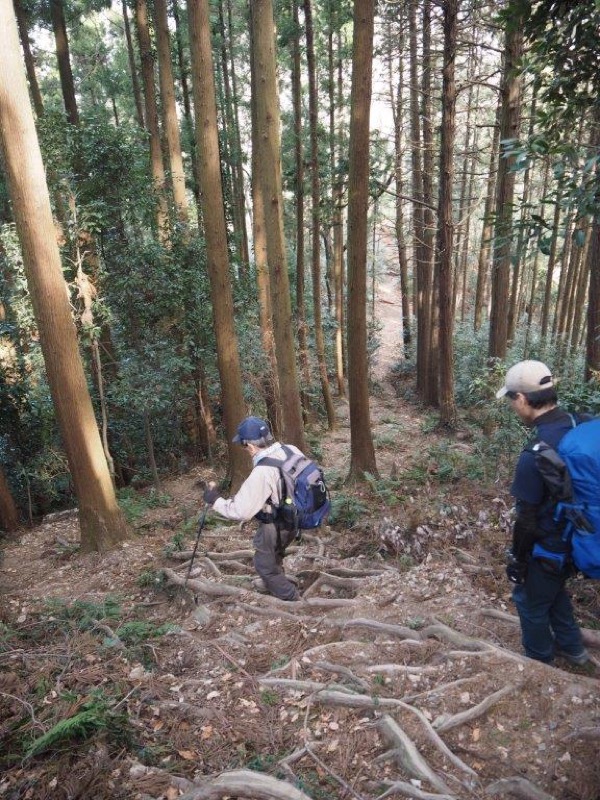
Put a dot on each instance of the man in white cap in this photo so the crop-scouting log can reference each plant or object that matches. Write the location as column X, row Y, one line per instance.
column 257, row 497
column 539, row 562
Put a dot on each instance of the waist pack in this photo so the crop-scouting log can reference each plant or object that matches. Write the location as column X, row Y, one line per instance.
column 571, row 473
column 305, row 498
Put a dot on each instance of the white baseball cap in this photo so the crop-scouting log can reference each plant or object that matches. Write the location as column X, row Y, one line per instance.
column 526, row 377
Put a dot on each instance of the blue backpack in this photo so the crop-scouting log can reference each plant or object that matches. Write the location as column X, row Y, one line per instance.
column 572, row 475
column 305, row 498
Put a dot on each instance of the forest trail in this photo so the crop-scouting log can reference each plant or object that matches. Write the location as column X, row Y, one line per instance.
column 399, row 673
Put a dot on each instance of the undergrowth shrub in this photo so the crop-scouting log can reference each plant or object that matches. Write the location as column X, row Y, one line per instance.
column 96, row 715
column 346, row 510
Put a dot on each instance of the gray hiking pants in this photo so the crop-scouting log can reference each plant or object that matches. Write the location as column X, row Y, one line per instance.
column 268, row 560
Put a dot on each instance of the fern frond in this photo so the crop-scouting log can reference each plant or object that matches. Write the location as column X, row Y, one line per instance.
column 80, row 726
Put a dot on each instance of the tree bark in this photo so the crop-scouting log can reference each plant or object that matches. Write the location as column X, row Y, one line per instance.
column 211, row 190
column 135, row 84
column 61, row 38
column 423, row 279
column 430, row 388
column 398, row 117
column 9, row 514
column 503, row 228
column 299, row 192
column 101, row 521
column 156, row 160
column 487, row 228
column 362, row 451
column 269, row 176
column 592, row 349
column 315, row 217
column 167, row 93
column 34, row 86
column 272, row 392
column 337, row 193
column 445, row 219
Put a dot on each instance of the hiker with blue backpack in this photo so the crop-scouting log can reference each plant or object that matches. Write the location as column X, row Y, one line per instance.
column 285, row 493
column 541, row 556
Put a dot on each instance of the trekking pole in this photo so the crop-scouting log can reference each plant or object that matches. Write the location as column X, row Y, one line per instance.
column 200, row 527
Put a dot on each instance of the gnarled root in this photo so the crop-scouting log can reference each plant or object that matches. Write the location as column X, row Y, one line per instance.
column 245, row 783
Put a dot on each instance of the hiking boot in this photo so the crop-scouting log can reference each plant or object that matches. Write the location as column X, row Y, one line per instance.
column 259, row 586
column 578, row 661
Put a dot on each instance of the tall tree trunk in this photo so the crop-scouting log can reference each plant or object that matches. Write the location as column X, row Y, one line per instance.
column 565, row 325
column 337, row 192
column 299, row 160
column 156, row 160
column 34, row 86
column 398, row 118
column 551, row 262
column 316, row 211
column 271, row 379
column 101, row 521
column 9, row 514
column 169, row 110
column 592, row 349
column 503, row 228
column 67, row 85
column 423, row 276
column 234, row 143
column 135, row 84
column 187, row 106
column 362, row 451
column 445, row 220
column 582, row 289
column 209, row 162
column 513, row 308
column 536, row 263
column 269, row 175
column 430, row 392
column 488, row 227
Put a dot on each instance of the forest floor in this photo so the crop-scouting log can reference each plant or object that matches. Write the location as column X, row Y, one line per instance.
column 400, row 672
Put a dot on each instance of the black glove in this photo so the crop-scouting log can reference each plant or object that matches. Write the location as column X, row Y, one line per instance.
column 211, row 493
column 516, row 571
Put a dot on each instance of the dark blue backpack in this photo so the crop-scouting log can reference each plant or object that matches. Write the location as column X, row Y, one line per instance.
column 305, row 498
column 572, row 474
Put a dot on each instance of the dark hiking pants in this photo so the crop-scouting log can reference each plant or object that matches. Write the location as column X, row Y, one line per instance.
column 268, row 560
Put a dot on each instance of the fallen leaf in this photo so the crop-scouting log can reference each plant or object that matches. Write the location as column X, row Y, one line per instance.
column 189, row 755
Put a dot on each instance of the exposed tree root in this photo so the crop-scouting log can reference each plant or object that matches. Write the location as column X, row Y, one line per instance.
column 325, row 666
column 221, row 590
column 446, row 723
column 326, row 579
column 391, row 669
column 408, row 790
column 409, row 757
column 441, row 687
column 517, row 787
column 245, row 783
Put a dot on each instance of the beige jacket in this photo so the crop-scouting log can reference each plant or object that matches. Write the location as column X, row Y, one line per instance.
column 261, row 486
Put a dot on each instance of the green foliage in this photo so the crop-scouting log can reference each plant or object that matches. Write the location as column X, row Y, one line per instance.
column 81, row 614
column 136, row 631
column 346, row 510
column 95, row 715
column 386, row 489
column 134, row 504
column 269, row 697
column 151, row 579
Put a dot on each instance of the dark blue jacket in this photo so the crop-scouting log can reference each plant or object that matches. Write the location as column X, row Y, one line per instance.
column 528, row 486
